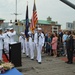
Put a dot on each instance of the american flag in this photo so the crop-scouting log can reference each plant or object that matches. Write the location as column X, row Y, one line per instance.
column 34, row 18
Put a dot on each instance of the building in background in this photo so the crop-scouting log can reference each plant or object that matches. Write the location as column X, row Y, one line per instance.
column 48, row 25
column 70, row 25
column 74, row 25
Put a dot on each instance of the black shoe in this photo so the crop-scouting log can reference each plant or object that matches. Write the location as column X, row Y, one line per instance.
column 70, row 63
column 32, row 59
column 23, row 53
column 39, row 62
column 27, row 56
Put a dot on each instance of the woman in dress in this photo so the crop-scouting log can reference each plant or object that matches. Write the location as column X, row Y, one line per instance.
column 48, row 45
column 54, row 44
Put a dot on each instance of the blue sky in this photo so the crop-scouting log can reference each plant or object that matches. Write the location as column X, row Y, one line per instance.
column 57, row 10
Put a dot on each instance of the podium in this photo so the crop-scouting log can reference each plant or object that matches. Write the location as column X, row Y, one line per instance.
column 15, row 54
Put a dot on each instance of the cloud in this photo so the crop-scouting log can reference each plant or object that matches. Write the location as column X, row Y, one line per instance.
column 57, row 10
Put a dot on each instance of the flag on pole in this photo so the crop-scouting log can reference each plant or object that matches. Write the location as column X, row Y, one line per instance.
column 27, row 23
column 34, row 18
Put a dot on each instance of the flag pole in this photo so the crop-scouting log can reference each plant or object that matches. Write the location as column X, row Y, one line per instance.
column 16, row 19
column 24, row 23
column 27, row 21
column 16, row 11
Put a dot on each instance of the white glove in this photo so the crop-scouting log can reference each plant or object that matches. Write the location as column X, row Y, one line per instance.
column 42, row 45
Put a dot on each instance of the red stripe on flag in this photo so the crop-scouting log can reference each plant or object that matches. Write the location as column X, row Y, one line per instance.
column 34, row 19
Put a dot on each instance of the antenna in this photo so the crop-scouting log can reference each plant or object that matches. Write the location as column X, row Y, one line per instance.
column 16, row 14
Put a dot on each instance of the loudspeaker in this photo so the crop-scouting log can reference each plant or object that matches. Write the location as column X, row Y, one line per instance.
column 15, row 54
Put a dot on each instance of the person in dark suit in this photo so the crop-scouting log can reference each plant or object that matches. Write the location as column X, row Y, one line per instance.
column 60, row 34
column 70, row 48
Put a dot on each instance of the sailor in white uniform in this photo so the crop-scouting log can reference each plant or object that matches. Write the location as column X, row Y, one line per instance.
column 31, row 46
column 1, row 43
column 11, row 35
column 22, row 40
column 39, row 42
column 6, row 40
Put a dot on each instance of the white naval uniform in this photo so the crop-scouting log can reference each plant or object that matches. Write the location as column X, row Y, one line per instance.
column 6, row 41
column 22, row 40
column 31, row 47
column 27, row 47
column 1, row 45
column 34, row 47
column 39, row 42
column 11, row 35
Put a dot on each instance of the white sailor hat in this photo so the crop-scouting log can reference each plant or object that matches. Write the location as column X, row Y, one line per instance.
column 39, row 28
column 0, row 28
column 22, row 33
column 10, row 28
